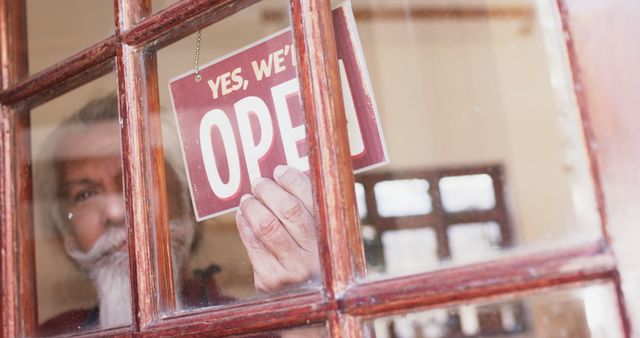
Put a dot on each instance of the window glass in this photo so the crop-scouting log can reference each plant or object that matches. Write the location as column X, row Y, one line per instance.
column 360, row 199
column 82, row 266
column 158, row 5
column 470, row 242
column 481, row 124
column 590, row 311
column 402, row 197
column 271, row 247
column 400, row 246
column 467, row 192
column 58, row 29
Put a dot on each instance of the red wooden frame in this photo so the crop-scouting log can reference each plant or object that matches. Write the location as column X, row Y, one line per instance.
column 424, row 12
column 344, row 300
column 17, row 252
column 603, row 57
column 151, row 273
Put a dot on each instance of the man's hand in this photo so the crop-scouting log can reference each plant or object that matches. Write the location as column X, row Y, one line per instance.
column 278, row 229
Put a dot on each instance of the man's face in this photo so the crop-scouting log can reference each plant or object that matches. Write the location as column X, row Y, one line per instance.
column 90, row 175
column 91, row 183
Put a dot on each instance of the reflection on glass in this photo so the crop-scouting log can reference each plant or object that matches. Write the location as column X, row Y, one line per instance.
column 402, row 246
column 474, row 242
column 82, row 264
column 402, row 198
column 468, row 192
column 587, row 312
column 270, row 246
column 361, row 200
column 55, row 32
column 480, row 108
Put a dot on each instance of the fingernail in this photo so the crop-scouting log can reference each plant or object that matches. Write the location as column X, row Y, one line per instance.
column 279, row 170
column 257, row 181
column 245, row 197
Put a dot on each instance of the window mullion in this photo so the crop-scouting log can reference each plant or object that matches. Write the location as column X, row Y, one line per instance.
column 602, row 53
column 19, row 314
column 144, row 176
column 340, row 239
column 345, row 325
column 466, row 284
column 182, row 19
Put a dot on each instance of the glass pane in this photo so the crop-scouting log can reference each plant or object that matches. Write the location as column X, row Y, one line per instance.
column 82, row 264
column 591, row 311
column 399, row 246
column 402, row 198
column 472, row 242
column 484, row 135
column 61, row 28
column 223, row 135
column 361, row 200
column 468, row 192
column 158, row 5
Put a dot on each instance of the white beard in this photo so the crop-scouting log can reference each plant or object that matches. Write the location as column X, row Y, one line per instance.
column 108, row 267
column 114, row 291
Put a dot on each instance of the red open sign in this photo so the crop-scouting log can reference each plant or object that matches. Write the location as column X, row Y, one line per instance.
column 244, row 117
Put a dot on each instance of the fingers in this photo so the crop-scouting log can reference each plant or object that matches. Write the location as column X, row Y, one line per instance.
column 278, row 230
column 269, row 230
column 260, row 257
column 270, row 273
column 296, row 183
column 291, row 212
column 255, row 248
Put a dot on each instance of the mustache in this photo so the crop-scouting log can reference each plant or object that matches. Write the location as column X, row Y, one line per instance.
column 108, row 247
column 108, row 244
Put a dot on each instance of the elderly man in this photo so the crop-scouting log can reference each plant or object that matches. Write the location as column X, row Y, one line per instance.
column 87, row 206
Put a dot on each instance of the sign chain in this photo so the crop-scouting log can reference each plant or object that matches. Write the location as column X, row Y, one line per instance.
column 196, row 61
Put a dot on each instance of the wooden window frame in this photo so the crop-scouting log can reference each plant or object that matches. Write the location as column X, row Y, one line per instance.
column 344, row 300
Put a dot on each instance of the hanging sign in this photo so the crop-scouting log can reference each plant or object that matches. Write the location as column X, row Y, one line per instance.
column 244, row 117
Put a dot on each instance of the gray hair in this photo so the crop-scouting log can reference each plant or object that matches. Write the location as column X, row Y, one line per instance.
column 105, row 110
column 102, row 109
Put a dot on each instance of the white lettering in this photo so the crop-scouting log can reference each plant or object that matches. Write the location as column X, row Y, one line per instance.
column 217, row 118
column 290, row 135
column 254, row 152
column 264, row 70
column 214, row 87
column 278, row 60
column 226, row 83
column 237, row 79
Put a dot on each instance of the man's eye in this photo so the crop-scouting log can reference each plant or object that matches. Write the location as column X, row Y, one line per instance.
column 83, row 195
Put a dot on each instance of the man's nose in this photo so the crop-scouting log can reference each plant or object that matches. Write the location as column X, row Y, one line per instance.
column 114, row 209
